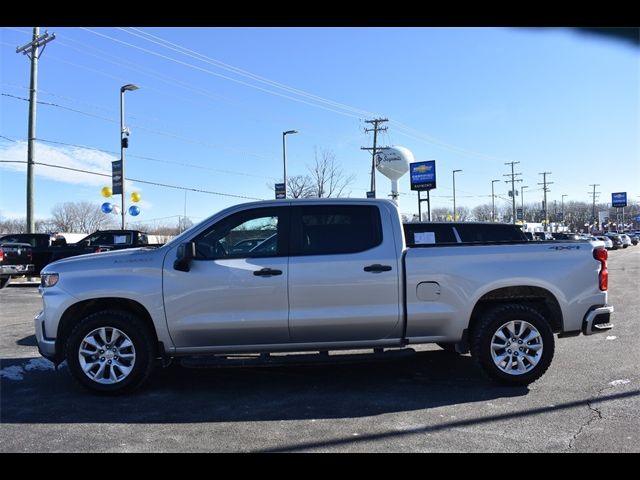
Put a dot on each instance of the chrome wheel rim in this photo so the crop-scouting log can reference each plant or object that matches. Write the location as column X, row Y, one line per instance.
column 107, row 355
column 516, row 347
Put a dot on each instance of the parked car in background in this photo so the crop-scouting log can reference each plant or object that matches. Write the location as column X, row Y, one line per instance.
column 626, row 240
column 544, row 236
column 245, row 245
column 608, row 243
column 615, row 238
column 634, row 238
column 15, row 260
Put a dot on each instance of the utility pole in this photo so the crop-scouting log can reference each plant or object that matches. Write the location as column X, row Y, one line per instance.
column 545, row 190
column 493, row 201
column 31, row 51
column 376, row 128
column 513, row 189
column 594, row 194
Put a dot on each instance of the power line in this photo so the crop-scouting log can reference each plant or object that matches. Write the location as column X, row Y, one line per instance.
column 143, row 157
column 146, row 182
column 225, row 77
column 238, row 71
column 149, row 130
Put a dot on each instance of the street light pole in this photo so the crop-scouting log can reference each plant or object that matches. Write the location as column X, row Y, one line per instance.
column 522, row 199
column 284, row 157
column 124, row 141
column 493, row 202
column 454, row 194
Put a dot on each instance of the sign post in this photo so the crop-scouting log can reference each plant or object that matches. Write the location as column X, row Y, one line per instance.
column 281, row 191
column 423, row 178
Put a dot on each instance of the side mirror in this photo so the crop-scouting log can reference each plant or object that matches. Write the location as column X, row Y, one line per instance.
column 186, row 252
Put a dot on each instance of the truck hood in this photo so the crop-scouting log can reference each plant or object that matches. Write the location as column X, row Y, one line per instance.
column 131, row 257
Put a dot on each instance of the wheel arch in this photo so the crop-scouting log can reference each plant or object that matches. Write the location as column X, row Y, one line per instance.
column 537, row 297
column 76, row 312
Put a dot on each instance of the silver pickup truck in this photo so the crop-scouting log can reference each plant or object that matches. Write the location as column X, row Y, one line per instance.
column 325, row 275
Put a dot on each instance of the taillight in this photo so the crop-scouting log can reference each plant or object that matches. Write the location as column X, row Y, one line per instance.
column 601, row 255
column 1, row 255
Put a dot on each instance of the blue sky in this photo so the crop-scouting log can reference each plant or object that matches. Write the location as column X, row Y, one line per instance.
column 212, row 119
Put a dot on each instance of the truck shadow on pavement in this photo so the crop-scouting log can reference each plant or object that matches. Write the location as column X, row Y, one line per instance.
column 32, row 392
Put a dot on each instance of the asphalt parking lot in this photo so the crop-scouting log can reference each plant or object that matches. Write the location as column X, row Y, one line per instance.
column 433, row 401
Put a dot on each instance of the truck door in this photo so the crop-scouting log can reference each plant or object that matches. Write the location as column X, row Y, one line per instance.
column 232, row 294
column 343, row 275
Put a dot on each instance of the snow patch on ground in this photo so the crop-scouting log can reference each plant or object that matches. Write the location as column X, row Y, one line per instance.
column 16, row 372
column 619, row 382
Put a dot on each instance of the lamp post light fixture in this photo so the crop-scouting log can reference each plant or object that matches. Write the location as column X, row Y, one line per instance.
column 454, row 194
column 493, row 202
column 124, row 141
column 522, row 199
column 284, row 156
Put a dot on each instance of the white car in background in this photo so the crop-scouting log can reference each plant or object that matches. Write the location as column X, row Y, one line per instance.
column 608, row 243
column 626, row 240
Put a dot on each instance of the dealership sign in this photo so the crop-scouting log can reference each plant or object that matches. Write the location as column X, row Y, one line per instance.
column 423, row 175
column 619, row 199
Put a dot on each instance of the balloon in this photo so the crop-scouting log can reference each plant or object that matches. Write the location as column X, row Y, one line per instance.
column 106, row 207
column 134, row 210
column 116, row 210
column 135, row 196
column 106, row 192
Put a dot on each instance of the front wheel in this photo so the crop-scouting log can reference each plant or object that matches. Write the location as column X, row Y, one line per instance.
column 513, row 344
column 110, row 352
column 4, row 281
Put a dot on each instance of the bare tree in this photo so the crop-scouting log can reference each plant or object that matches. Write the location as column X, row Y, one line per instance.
column 441, row 214
column 329, row 180
column 482, row 213
column 325, row 179
column 79, row 217
column 300, row 186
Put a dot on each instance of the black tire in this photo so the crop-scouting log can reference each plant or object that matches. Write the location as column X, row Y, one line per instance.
column 493, row 321
column 4, row 281
column 143, row 348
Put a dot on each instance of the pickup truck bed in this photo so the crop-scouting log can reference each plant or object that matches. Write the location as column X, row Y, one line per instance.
column 333, row 274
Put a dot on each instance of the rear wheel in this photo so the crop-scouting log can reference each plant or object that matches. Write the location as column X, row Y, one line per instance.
column 513, row 344
column 110, row 352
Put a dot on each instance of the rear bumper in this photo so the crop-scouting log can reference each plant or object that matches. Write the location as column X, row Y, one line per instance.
column 597, row 320
column 16, row 269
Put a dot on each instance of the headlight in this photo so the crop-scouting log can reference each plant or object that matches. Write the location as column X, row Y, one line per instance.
column 48, row 279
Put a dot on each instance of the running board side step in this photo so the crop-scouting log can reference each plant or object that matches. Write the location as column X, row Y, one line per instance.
column 269, row 360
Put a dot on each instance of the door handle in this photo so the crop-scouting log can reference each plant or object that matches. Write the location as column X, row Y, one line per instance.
column 377, row 268
column 267, row 272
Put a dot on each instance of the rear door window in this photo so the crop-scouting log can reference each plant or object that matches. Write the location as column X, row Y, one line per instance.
column 335, row 229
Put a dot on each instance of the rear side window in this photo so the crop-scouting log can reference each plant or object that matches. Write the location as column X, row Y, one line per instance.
column 489, row 233
column 335, row 229
column 427, row 233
